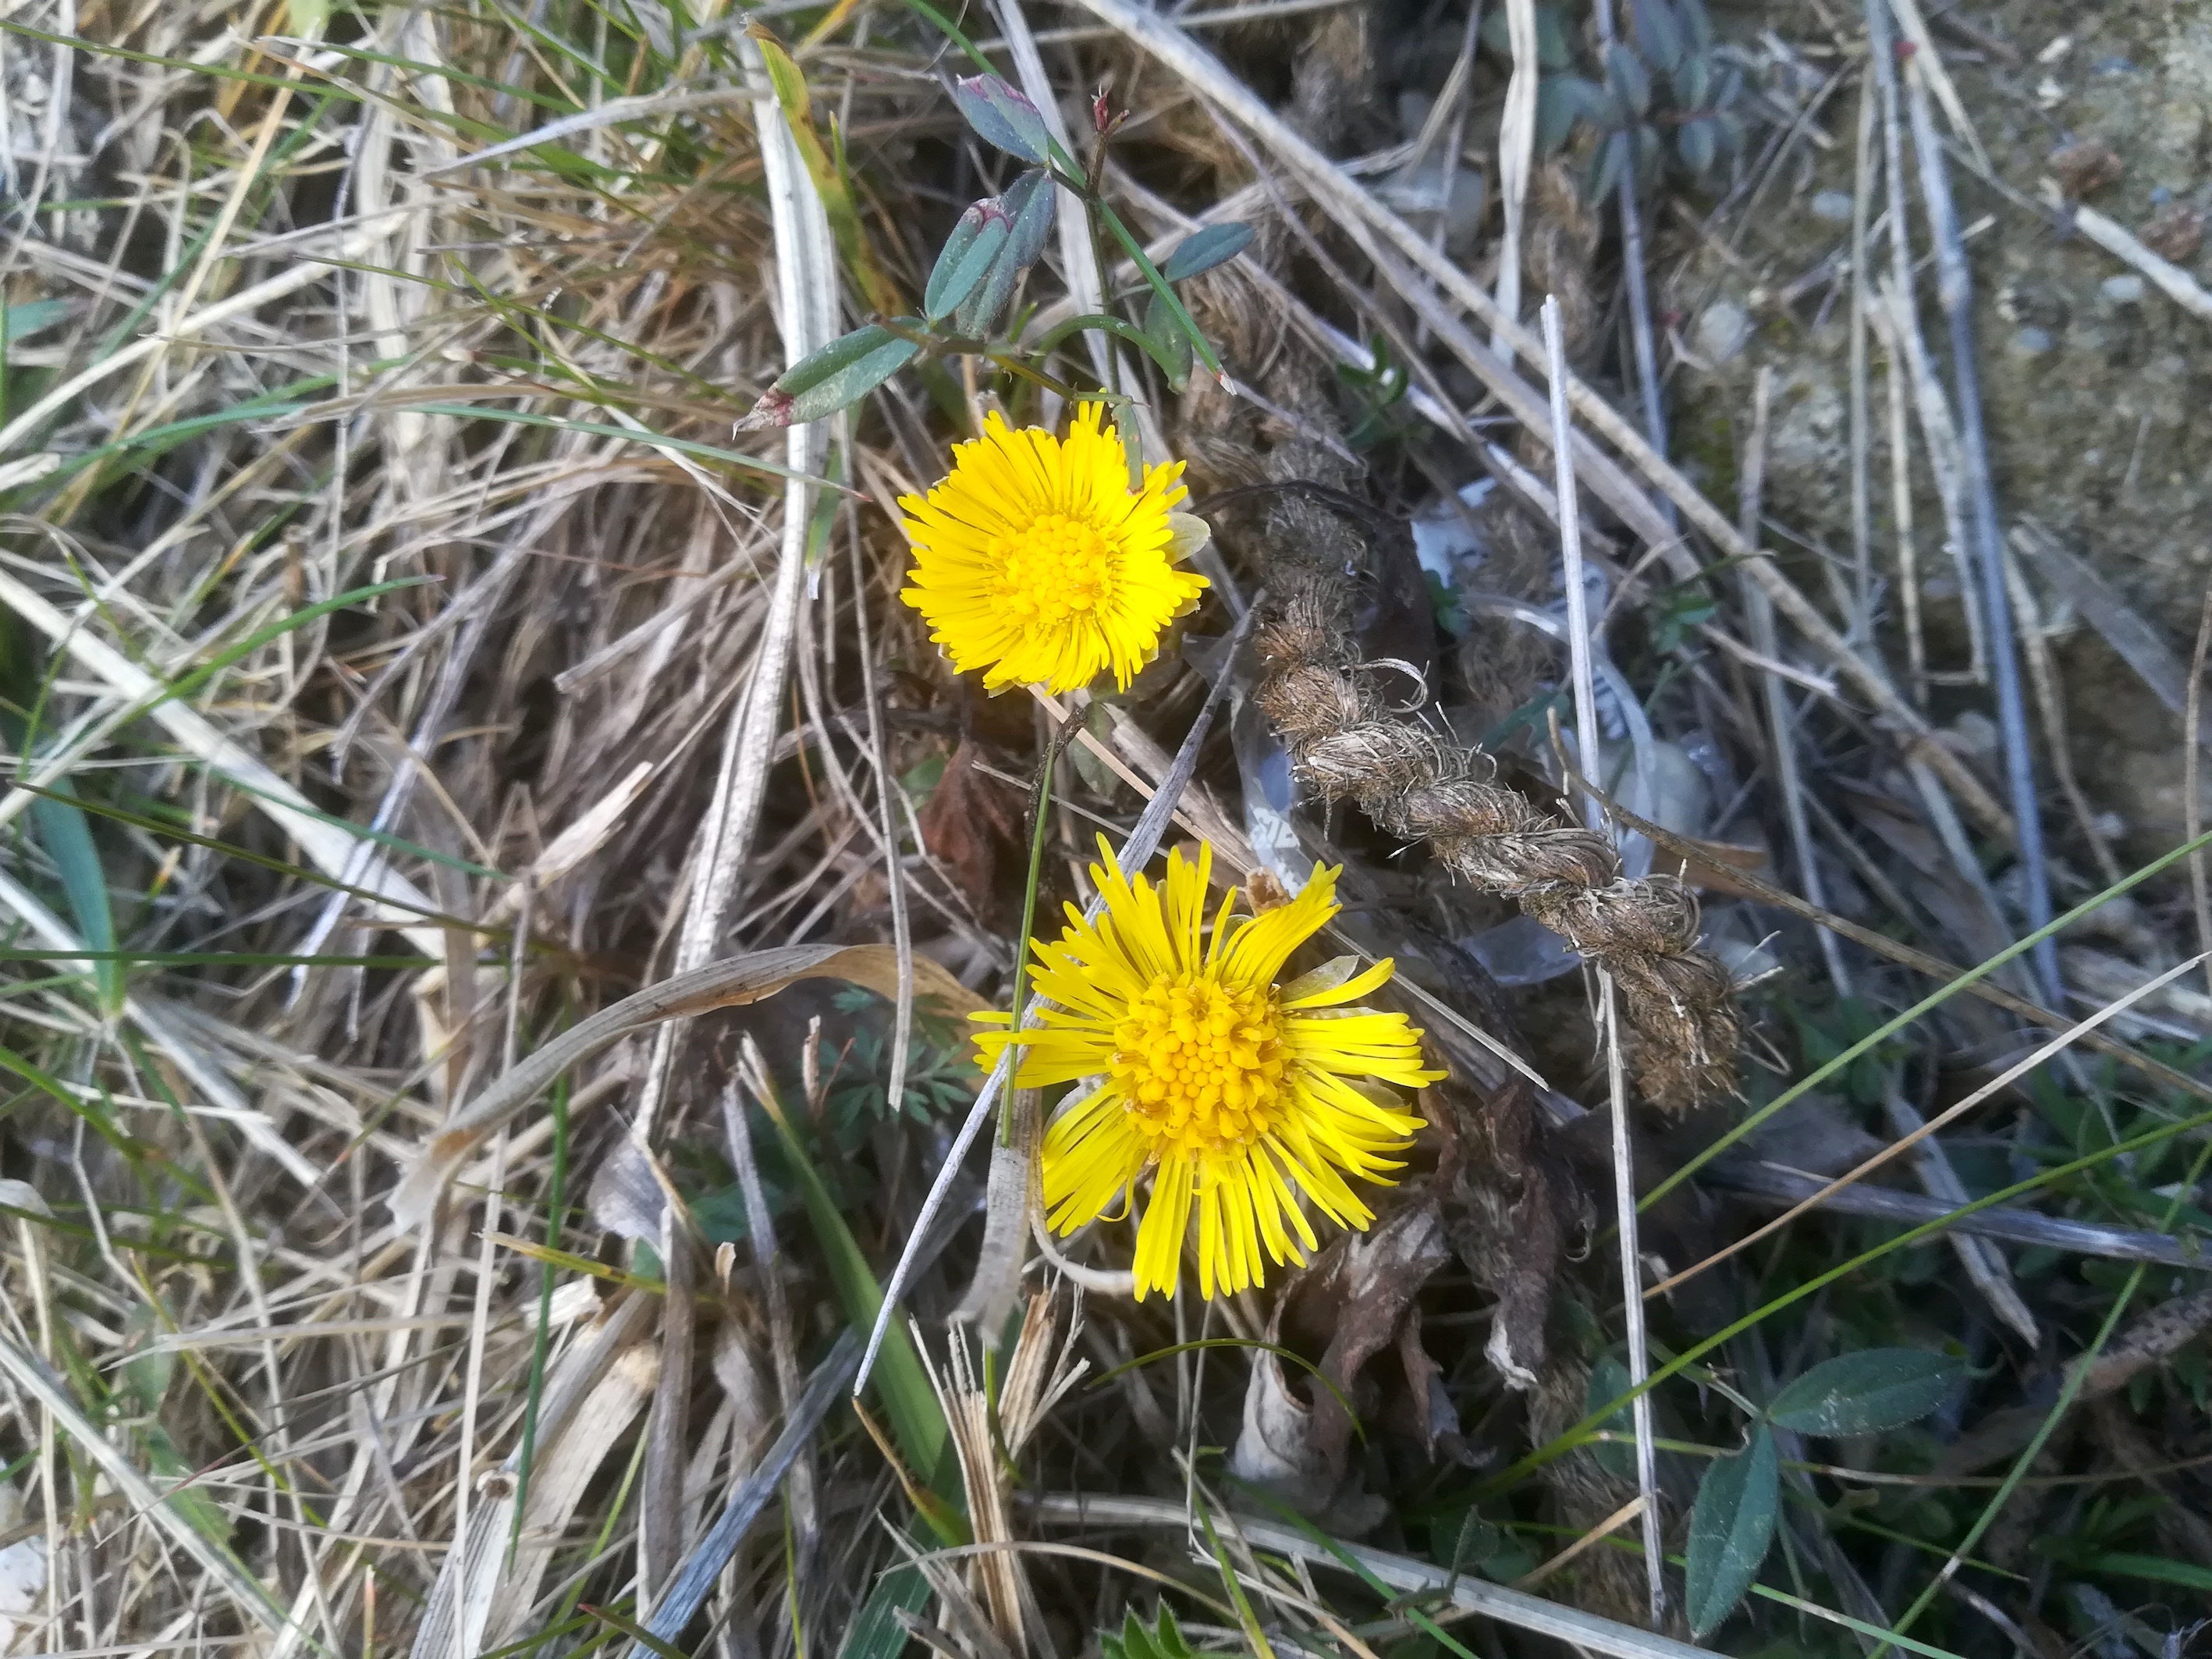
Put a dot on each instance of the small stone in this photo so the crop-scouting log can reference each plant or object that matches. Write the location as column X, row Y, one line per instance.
column 1976, row 732
column 2123, row 290
column 2033, row 342
column 1833, row 205
column 2176, row 234
column 2084, row 168
column 1724, row 327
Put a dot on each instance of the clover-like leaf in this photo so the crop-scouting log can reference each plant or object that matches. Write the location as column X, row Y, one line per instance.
column 1659, row 34
column 1563, row 100
column 1001, row 115
column 1029, row 202
column 1694, row 141
column 1731, row 1529
column 844, row 371
column 1553, row 51
column 1202, row 250
column 1692, row 79
column 1629, row 80
column 1867, row 1392
column 1612, row 164
column 1171, row 345
column 976, row 241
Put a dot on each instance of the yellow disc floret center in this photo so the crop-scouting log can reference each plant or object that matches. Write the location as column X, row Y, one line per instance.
column 1054, row 569
column 1199, row 1064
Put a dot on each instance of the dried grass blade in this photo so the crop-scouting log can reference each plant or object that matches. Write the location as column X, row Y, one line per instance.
column 252, row 1598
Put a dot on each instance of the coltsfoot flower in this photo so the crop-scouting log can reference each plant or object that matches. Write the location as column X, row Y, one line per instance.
column 1036, row 562
column 1246, row 1099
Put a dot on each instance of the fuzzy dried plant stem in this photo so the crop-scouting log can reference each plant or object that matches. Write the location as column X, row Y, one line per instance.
column 1581, row 657
column 1347, row 741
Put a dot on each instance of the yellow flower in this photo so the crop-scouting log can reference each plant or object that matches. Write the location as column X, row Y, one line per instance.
column 1038, row 563
column 1245, row 1097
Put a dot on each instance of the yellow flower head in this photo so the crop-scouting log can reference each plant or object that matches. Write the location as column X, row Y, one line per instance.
column 1038, row 563
column 1243, row 1095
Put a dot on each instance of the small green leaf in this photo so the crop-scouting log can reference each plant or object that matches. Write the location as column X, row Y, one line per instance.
column 1659, row 33
column 1731, row 1525
column 1629, row 80
column 1171, row 345
column 1696, row 26
column 844, row 371
column 1001, row 115
column 976, row 241
column 1609, row 1381
column 62, row 830
column 1029, row 202
column 1866, row 1393
column 31, row 317
column 1553, row 51
column 1693, row 79
column 1697, row 146
column 1202, row 250
column 1563, row 100
column 1611, row 167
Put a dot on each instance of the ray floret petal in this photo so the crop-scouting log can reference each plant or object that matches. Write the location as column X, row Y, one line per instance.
column 1246, row 1101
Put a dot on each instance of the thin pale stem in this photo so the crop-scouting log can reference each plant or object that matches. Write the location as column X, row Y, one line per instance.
column 1623, row 1151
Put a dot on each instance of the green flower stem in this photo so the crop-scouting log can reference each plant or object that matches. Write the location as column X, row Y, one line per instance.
column 1120, row 331
column 1039, row 802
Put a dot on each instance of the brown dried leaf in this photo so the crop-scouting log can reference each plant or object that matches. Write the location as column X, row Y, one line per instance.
column 966, row 822
column 1354, row 1303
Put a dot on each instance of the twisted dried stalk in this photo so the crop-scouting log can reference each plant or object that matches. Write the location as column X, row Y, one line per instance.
column 1346, row 742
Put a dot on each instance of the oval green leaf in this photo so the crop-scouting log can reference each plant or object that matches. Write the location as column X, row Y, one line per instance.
column 1731, row 1525
column 1866, row 1393
column 1001, row 115
column 1202, row 250
column 844, row 371
column 975, row 241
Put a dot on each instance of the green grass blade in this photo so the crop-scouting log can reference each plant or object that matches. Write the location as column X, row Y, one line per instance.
column 908, row 1401
column 66, row 836
column 1936, row 1000
column 169, row 831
